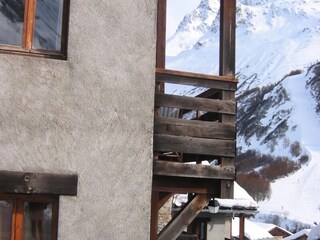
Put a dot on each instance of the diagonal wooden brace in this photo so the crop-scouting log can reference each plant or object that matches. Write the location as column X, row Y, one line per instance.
column 176, row 226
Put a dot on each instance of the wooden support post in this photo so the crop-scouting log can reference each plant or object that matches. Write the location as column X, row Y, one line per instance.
column 227, row 37
column 241, row 227
column 181, row 221
column 227, row 68
column 154, row 215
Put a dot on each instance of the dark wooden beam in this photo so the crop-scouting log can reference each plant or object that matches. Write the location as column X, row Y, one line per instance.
column 241, row 227
column 163, row 198
column 227, row 68
column 227, row 37
column 38, row 183
column 195, row 79
column 154, row 215
column 161, row 34
column 164, row 168
column 167, row 143
column 194, row 103
column 194, row 128
column 181, row 220
column 185, row 185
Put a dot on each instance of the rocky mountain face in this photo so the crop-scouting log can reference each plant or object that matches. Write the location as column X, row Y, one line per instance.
column 313, row 83
column 278, row 93
column 193, row 26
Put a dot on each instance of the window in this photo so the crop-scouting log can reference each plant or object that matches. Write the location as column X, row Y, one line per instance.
column 34, row 27
column 28, row 217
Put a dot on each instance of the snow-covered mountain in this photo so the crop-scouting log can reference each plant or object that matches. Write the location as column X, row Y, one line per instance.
column 193, row 26
column 278, row 50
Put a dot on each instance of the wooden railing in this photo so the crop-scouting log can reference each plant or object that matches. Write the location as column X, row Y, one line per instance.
column 195, row 136
column 202, row 137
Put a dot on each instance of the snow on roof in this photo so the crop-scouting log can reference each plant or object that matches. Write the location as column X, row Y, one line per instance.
column 236, row 203
column 269, row 226
column 242, row 200
column 314, row 233
column 298, row 234
column 251, row 230
column 266, row 226
column 240, row 193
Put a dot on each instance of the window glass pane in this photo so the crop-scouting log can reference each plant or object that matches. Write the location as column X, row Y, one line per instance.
column 11, row 21
column 48, row 25
column 37, row 221
column 5, row 219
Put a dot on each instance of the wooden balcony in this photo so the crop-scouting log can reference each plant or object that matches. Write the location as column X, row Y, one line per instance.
column 192, row 130
column 202, row 135
column 189, row 130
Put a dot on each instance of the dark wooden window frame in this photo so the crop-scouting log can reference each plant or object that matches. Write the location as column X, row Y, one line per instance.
column 18, row 201
column 28, row 30
column 19, row 187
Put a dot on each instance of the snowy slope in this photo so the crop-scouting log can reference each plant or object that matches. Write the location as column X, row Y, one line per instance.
column 300, row 199
column 277, row 41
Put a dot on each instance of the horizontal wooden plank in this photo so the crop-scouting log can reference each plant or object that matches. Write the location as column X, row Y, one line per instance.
column 194, row 103
column 162, row 71
column 194, row 128
column 185, row 185
column 214, row 147
column 197, row 82
column 193, row 170
column 38, row 183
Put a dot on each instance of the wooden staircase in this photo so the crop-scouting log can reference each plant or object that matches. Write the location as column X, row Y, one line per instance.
column 208, row 135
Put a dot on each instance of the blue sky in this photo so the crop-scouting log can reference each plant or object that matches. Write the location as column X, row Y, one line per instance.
column 176, row 9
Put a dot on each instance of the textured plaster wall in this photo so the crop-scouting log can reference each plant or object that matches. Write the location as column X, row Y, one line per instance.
column 91, row 115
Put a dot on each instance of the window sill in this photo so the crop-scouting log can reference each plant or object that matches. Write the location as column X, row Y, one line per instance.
column 33, row 53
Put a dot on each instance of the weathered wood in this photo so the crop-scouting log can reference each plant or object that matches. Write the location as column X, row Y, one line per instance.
column 197, row 82
column 185, row 185
column 241, row 227
column 227, row 37
column 164, row 168
column 188, row 76
column 39, row 183
column 161, row 33
column 194, row 128
column 154, row 215
column 163, row 198
column 212, row 147
column 210, row 93
column 193, row 103
column 181, row 220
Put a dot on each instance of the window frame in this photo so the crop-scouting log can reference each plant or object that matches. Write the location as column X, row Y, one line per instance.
column 18, row 201
column 26, row 47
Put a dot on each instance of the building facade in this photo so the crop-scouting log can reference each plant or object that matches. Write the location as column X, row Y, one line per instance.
column 85, row 151
column 88, row 113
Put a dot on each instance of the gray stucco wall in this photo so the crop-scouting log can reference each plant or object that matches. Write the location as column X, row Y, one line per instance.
column 91, row 115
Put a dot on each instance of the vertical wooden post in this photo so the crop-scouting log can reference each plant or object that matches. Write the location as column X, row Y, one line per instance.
column 161, row 38
column 159, row 88
column 227, row 37
column 161, row 34
column 227, row 68
column 154, row 215
column 241, row 227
